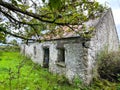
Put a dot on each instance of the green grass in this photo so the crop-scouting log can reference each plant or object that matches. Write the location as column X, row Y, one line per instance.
column 20, row 73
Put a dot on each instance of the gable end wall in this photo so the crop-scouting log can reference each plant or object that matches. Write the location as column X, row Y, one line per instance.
column 105, row 38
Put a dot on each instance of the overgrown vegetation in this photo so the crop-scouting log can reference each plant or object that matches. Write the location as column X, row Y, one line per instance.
column 109, row 65
column 20, row 73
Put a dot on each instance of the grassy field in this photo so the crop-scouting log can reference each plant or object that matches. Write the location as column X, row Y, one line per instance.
column 20, row 73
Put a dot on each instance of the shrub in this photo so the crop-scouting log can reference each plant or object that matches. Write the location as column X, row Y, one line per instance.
column 109, row 65
column 9, row 48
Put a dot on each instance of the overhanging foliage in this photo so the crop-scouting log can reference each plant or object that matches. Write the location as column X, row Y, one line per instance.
column 36, row 16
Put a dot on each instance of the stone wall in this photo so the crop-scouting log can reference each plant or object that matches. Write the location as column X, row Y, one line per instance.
column 105, row 38
column 75, row 63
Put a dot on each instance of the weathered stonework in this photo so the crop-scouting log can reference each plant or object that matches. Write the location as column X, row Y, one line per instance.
column 80, row 55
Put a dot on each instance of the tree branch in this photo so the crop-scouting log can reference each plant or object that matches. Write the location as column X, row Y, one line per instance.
column 34, row 15
column 6, row 32
column 20, row 22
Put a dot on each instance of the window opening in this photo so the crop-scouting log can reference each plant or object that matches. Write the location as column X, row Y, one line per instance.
column 34, row 50
column 61, row 55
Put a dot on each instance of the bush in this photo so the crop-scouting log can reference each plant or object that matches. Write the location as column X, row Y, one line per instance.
column 109, row 65
column 9, row 48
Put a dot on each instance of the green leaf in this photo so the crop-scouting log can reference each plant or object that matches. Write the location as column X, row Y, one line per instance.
column 14, row 2
column 43, row 0
column 23, row 7
column 19, row 0
column 55, row 4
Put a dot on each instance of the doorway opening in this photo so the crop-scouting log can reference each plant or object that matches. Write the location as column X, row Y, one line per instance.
column 46, row 57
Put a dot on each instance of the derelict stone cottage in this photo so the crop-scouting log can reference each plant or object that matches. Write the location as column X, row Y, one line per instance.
column 72, row 55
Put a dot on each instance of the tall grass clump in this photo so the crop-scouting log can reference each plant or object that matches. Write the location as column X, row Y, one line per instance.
column 109, row 65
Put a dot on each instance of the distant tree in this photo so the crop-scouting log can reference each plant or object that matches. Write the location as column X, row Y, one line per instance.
column 13, row 42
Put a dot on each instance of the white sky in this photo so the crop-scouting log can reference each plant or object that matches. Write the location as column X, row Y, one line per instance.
column 115, row 5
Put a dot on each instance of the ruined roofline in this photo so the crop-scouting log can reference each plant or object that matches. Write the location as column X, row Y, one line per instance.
column 87, row 39
column 94, row 23
column 40, row 41
column 78, row 33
